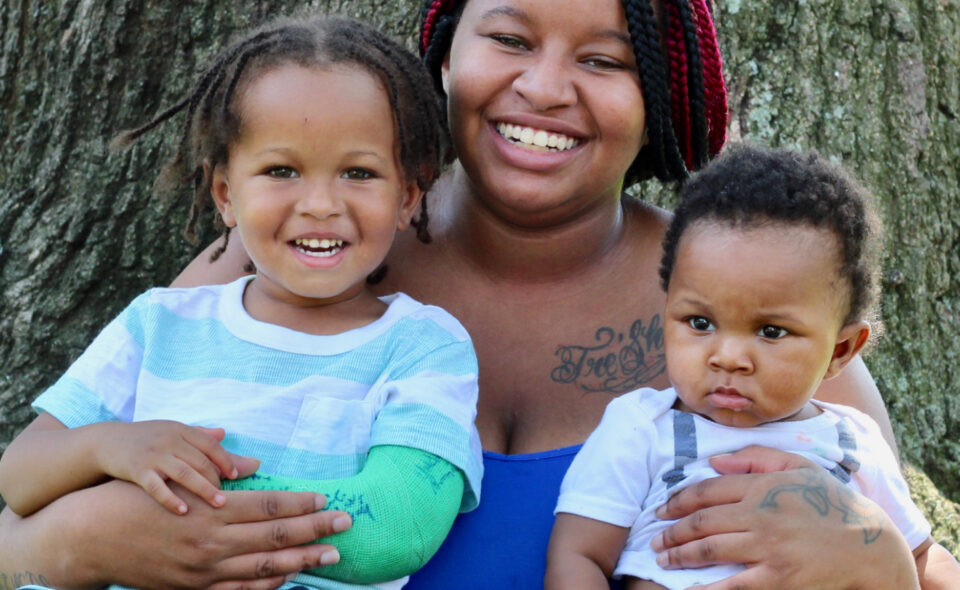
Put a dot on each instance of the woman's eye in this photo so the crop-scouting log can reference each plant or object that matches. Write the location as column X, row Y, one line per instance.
column 282, row 172
column 700, row 323
column 509, row 41
column 603, row 63
column 773, row 332
column 358, row 174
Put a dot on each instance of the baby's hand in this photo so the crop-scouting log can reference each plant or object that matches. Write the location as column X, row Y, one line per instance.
column 151, row 453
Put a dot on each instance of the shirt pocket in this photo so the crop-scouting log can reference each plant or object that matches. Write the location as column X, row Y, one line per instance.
column 334, row 426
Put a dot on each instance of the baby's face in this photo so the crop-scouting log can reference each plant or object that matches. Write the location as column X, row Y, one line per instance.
column 752, row 320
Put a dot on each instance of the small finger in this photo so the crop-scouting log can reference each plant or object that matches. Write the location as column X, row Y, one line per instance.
column 271, row 564
column 289, row 532
column 716, row 520
column 211, row 449
column 726, row 489
column 156, row 486
column 269, row 505
column 185, row 475
column 216, row 433
column 756, row 459
column 713, row 550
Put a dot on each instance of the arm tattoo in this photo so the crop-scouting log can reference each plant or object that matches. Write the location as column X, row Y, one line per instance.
column 826, row 495
column 18, row 579
column 617, row 363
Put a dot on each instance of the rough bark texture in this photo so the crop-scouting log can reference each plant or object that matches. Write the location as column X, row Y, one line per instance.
column 874, row 84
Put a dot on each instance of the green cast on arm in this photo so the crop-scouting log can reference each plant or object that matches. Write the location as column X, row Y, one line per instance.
column 403, row 503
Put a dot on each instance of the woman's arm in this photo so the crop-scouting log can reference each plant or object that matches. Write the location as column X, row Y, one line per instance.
column 95, row 536
column 855, row 387
column 231, row 265
column 795, row 525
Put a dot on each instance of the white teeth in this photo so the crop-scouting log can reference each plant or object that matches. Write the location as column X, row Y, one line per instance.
column 536, row 138
column 317, row 247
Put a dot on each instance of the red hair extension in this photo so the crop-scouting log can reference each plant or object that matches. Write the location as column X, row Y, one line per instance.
column 679, row 93
column 715, row 90
column 437, row 7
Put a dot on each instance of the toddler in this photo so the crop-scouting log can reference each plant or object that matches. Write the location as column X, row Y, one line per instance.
column 770, row 268
column 316, row 140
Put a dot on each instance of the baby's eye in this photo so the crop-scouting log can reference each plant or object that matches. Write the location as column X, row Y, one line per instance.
column 773, row 332
column 358, row 174
column 700, row 323
column 509, row 41
column 282, row 172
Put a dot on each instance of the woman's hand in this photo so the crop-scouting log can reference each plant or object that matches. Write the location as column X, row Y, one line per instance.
column 793, row 524
column 97, row 536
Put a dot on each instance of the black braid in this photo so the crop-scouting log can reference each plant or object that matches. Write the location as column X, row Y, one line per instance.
column 695, row 90
column 645, row 34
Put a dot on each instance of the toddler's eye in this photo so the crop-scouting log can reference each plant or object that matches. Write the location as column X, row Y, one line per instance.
column 773, row 332
column 358, row 174
column 283, row 172
column 700, row 323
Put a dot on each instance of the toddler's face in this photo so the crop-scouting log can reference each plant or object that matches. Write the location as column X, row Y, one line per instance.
column 313, row 183
column 753, row 319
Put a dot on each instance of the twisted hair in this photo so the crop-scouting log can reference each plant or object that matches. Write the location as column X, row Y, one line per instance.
column 212, row 122
column 681, row 78
column 749, row 187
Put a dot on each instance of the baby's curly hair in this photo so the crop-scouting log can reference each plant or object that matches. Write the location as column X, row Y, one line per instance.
column 750, row 186
column 213, row 121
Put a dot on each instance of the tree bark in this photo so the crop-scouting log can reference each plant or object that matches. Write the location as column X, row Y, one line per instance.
column 873, row 84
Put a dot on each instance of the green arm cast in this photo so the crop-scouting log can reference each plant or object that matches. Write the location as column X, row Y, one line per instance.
column 403, row 503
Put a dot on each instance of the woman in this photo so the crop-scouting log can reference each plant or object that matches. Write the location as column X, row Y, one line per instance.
column 554, row 273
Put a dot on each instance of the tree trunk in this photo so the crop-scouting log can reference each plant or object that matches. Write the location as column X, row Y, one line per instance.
column 874, row 84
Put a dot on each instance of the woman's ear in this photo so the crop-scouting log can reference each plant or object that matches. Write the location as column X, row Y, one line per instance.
column 445, row 73
column 850, row 341
column 220, row 191
column 410, row 200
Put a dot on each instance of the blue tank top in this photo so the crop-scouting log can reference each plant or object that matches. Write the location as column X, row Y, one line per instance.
column 502, row 545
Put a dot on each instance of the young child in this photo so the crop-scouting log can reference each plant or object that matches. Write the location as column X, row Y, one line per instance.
column 316, row 140
column 770, row 268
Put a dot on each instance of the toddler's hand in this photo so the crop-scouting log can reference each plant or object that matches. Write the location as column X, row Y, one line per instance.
column 152, row 453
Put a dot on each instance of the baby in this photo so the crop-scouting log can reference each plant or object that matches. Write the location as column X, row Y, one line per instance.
column 770, row 267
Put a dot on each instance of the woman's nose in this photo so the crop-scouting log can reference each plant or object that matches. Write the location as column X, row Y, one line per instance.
column 547, row 83
column 731, row 355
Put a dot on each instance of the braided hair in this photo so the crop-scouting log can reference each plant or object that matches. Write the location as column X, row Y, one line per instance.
column 681, row 77
column 212, row 122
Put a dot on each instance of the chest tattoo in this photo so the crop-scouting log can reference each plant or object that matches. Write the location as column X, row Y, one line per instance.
column 616, row 362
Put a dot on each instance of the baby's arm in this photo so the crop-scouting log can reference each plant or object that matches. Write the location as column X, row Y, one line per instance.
column 403, row 503
column 582, row 552
column 48, row 460
column 938, row 570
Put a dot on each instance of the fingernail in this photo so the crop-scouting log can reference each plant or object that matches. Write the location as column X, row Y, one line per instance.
column 661, row 511
column 319, row 502
column 330, row 557
column 219, row 499
column 182, row 509
column 657, row 543
column 662, row 560
column 290, row 577
column 234, row 473
column 341, row 523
